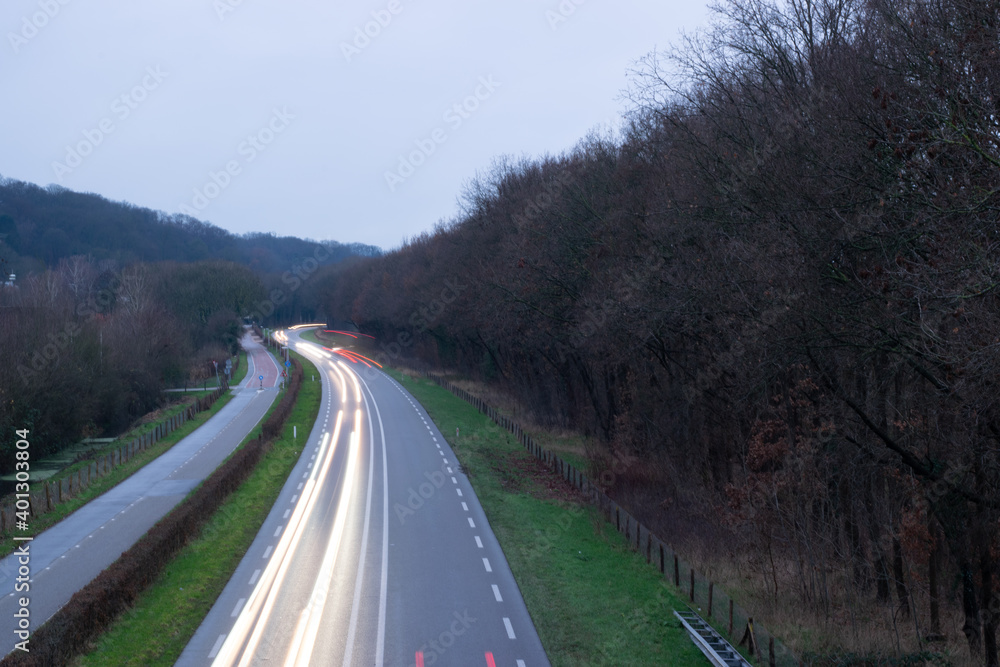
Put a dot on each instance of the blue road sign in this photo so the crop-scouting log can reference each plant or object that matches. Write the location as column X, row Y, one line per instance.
column 261, row 377
column 288, row 364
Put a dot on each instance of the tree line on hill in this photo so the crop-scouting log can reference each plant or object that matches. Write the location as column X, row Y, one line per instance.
column 89, row 346
column 111, row 303
column 41, row 226
column 773, row 299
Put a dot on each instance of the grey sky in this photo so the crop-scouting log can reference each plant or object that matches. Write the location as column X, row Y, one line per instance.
column 283, row 119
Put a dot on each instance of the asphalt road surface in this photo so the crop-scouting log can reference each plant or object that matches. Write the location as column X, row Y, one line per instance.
column 377, row 551
column 66, row 557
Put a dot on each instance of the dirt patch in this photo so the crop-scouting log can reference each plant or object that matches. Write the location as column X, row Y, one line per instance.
column 521, row 472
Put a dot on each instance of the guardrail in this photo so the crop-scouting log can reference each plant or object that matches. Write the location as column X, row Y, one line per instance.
column 718, row 651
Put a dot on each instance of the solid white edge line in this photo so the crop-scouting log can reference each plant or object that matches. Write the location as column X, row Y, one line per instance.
column 218, row 645
column 383, row 593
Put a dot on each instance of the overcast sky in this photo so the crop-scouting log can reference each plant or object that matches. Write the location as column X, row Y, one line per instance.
column 259, row 115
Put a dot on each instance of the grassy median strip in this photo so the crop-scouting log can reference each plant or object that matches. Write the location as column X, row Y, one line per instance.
column 159, row 626
column 594, row 601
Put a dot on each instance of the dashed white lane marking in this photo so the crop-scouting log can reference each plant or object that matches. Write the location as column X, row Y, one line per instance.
column 253, row 579
column 496, row 593
column 294, row 498
column 486, row 564
column 479, row 542
column 287, row 512
column 458, row 491
column 472, row 524
column 465, row 507
column 453, row 480
column 520, row 663
column 510, row 628
column 267, row 552
column 446, row 460
column 236, row 610
column 278, row 531
column 218, row 645
column 301, row 484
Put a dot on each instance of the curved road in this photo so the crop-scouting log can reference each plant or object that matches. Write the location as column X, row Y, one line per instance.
column 66, row 557
column 377, row 551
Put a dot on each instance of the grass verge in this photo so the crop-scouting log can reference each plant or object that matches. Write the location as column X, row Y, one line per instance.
column 120, row 473
column 310, row 335
column 594, row 601
column 156, row 630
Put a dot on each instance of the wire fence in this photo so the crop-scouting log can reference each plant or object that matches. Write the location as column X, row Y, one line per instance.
column 702, row 595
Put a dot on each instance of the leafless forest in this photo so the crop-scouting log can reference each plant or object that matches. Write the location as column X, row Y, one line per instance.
column 772, row 299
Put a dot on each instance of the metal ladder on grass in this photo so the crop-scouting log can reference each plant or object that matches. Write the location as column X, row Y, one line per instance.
column 718, row 651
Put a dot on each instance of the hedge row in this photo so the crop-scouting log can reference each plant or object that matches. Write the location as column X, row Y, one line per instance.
column 94, row 607
column 272, row 427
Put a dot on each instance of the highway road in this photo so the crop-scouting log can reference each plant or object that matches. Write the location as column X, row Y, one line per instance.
column 69, row 555
column 377, row 551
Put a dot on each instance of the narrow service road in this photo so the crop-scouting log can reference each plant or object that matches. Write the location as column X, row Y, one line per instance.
column 377, row 551
column 66, row 557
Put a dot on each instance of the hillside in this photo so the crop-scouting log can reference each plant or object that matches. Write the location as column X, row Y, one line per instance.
column 45, row 225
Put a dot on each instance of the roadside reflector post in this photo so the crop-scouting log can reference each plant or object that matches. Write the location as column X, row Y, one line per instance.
column 295, row 432
column 456, row 433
